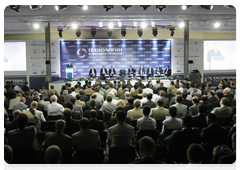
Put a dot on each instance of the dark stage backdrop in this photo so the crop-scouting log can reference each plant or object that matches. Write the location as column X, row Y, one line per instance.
column 84, row 54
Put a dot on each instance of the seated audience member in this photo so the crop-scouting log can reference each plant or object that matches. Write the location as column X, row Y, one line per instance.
column 58, row 137
column 165, row 99
column 159, row 113
column 155, row 95
column 147, row 150
column 45, row 103
column 191, row 88
column 186, row 102
column 214, row 133
column 72, row 125
column 17, row 88
column 224, row 110
column 220, row 88
column 135, row 92
column 40, row 106
column 21, row 105
column 14, row 101
column 144, row 98
column 88, row 91
column 52, row 89
column 8, row 154
column 30, row 114
column 55, row 108
column 149, row 101
column 113, row 120
column 94, row 97
column 135, row 113
column 67, row 97
column 73, row 93
column 148, row 89
column 223, row 154
column 53, row 155
column 175, row 87
column 146, row 122
column 193, row 109
column 208, row 104
column 121, row 134
column 13, row 125
column 85, row 138
column 93, row 104
column 80, row 102
column 216, row 103
column 227, row 94
column 129, row 105
column 94, row 123
column 173, row 122
column 195, row 153
column 76, row 108
column 199, row 120
column 139, row 95
column 25, row 87
column 211, row 97
column 196, row 89
column 83, row 96
column 109, row 106
column 99, row 96
column 233, row 128
column 188, row 97
column 173, row 99
column 181, row 108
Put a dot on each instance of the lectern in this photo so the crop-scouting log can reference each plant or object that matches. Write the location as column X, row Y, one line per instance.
column 69, row 72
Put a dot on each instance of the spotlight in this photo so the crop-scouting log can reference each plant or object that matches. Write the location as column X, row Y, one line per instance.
column 119, row 24
column 152, row 24
column 144, row 7
column 208, row 7
column 140, row 32
column 107, row 7
column 15, row 7
column 160, row 7
column 181, row 25
column 228, row 6
column 109, row 33
column 217, row 24
column 84, row 7
column 123, row 32
column 110, row 25
column 60, row 30
column 33, row 7
column 135, row 23
column 154, row 31
column 172, row 31
column 93, row 32
column 60, row 7
column 100, row 24
column 36, row 25
column 184, row 7
column 78, row 32
column 126, row 7
column 143, row 25
column 74, row 26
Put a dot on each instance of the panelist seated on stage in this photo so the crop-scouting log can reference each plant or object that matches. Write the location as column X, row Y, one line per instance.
column 69, row 64
column 92, row 72
column 150, row 71
column 103, row 73
column 131, row 71
column 112, row 71
column 141, row 71
column 158, row 70
column 167, row 71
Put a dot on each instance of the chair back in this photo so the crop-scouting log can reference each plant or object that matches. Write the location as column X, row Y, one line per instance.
column 121, row 155
column 161, row 153
column 103, row 138
column 224, row 121
column 159, row 125
column 107, row 117
column 122, row 72
column 24, row 156
column 48, row 126
column 134, row 124
column 85, row 156
column 41, row 136
column 151, row 133
column 49, row 117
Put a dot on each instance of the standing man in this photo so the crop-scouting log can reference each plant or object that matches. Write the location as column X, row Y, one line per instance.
column 150, row 71
column 111, row 71
column 212, row 53
column 69, row 64
column 131, row 71
column 158, row 70
column 103, row 73
column 92, row 72
column 198, row 77
column 141, row 71
column 167, row 71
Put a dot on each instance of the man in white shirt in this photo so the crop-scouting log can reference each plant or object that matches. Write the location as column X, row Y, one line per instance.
column 144, row 98
column 146, row 122
column 55, row 109
column 17, row 88
column 114, row 101
column 147, row 89
column 155, row 95
column 180, row 87
column 45, row 103
column 73, row 93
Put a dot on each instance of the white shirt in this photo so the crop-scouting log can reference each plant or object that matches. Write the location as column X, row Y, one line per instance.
column 114, row 101
column 180, row 89
column 17, row 88
column 173, row 123
column 74, row 93
column 148, row 90
column 146, row 123
column 143, row 100
column 154, row 97
column 55, row 109
column 103, row 70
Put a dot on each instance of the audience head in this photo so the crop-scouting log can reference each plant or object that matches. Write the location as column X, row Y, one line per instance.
column 53, row 155
column 69, row 105
column 65, row 92
column 120, row 103
column 120, row 116
column 146, row 146
column 53, row 98
column 19, row 95
column 22, row 121
column 8, row 153
column 144, row 94
column 195, row 153
column 187, row 121
column 67, row 113
column 211, row 118
column 81, row 92
column 34, row 104
column 78, row 97
column 204, row 98
column 137, row 103
column 118, row 108
column 173, row 111
column 16, row 113
column 162, row 93
column 160, row 102
column 72, row 99
column 211, row 93
column 202, row 108
column 60, row 125
column 146, row 110
column 130, row 101
column 94, row 96
column 27, row 94
column 22, row 99
column 224, row 101
column 93, row 103
column 140, row 90
column 179, row 99
column 93, row 114
column 195, row 100
column 149, row 96
column 84, row 123
column 234, row 141
column 227, row 91
column 109, row 98
column 184, row 95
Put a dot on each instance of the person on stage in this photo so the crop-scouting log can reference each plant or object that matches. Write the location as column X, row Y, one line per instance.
column 69, row 64
column 167, row 71
column 92, row 72
column 141, row 72
column 150, row 72
column 111, row 71
column 103, row 73
column 158, row 70
column 131, row 71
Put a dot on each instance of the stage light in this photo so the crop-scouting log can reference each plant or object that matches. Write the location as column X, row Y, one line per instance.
column 160, row 7
column 15, row 7
column 155, row 31
column 140, row 32
column 108, row 7
column 181, row 24
column 144, row 7
column 84, row 7
column 109, row 33
column 110, row 25
column 184, row 7
column 152, row 24
column 119, row 24
column 126, row 7
column 208, row 7
column 33, row 7
column 100, row 24
column 216, row 24
column 74, row 25
column 123, row 32
column 60, row 7
column 93, row 32
column 60, row 30
column 143, row 25
column 78, row 32
column 135, row 23
column 172, row 31
column 36, row 25
column 228, row 6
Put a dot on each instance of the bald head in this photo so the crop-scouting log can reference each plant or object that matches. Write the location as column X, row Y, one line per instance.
column 53, row 155
column 34, row 104
column 60, row 125
column 16, row 113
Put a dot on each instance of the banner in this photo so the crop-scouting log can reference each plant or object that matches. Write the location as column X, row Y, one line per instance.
column 120, row 54
column 20, row 79
column 215, row 78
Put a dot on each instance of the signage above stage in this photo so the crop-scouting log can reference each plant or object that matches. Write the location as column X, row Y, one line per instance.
column 120, row 54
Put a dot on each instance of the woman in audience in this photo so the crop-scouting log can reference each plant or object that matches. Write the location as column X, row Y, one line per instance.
column 139, row 95
column 173, row 122
column 61, row 100
column 120, row 103
column 202, row 87
column 118, row 108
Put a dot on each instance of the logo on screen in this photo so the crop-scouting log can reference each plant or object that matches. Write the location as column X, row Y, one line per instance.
column 82, row 53
column 208, row 79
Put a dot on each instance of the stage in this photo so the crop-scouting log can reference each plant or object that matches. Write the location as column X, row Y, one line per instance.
column 58, row 84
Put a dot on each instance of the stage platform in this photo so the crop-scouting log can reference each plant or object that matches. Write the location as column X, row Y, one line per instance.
column 58, row 84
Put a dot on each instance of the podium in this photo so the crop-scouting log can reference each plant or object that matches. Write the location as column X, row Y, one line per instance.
column 69, row 72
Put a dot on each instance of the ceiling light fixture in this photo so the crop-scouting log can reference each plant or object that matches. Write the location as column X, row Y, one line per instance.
column 216, row 24
column 143, row 25
column 108, row 7
column 126, row 7
column 160, row 7
column 135, row 23
column 144, row 7
column 119, row 24
column 74, row 25
column 184, row 7
column 181, row 24
column 36, row 25
column 100, row 24
column 152, row 23
column 208, row 7
column 60, row 7
column 110, row 25
column 15, row 7
column 34, row 7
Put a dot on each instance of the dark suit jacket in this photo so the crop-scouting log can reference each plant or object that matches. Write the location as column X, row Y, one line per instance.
column 42, row 108
column 216, row 104
column 28, row 101
column 10, row 126
column 224, row 159
column 101, row 71
column 110, row 71
column 69, row 65
column 162, row 88
column 133, row 71
column 193, row 110
column 211, row 53
column 99, row 112
column 209, row 105
column 199, row 121
column 186, row 85
column 149, row 103
column 214, row 133
column 90, row 71
column 143, row 70
column 25, row 88
column 147, row 163
column 97, row 125
column 84, row 98
column 152, row 72
column 12, row 92
column 186, row 102
column 230, row 97
column 169, row 72
column 113, row 121
column 212, row 99
column 159, row 69
column 169, row 95
column 99, row 104
column 72, row 126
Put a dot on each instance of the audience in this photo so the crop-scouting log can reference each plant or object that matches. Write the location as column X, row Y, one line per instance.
column 135, row 113
column 181, row 108
column 146, row 122
column 8, row 154
column 55, row 108
column 53, row 155
column 159, row 113
column 195, row 153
